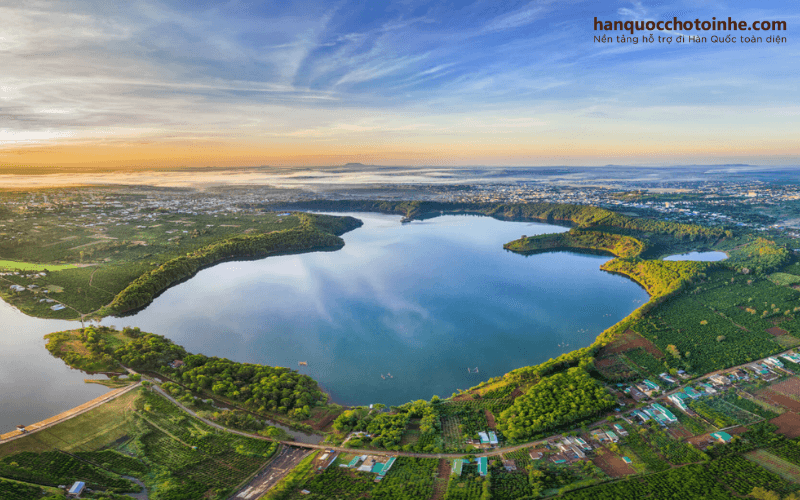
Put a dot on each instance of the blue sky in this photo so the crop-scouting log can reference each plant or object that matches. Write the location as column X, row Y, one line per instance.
column 504, row 83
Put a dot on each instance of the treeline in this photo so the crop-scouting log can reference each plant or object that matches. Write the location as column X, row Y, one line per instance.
column 554, row 402
column 581, row 215
column 311, row 234
column 259, row 388
column 615, row 244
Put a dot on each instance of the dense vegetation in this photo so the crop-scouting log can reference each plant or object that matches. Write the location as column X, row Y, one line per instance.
column 759, row 255
column 12, row 490
column 658, row 277
column 258, row 387
column 85, row 349
column 554, row 402
column 615, row 244
column 307, row 236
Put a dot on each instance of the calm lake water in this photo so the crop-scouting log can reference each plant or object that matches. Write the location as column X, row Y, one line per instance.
column 699, row 256
column 399, row 314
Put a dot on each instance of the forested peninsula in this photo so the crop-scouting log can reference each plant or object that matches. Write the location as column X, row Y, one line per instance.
column 615, row 244
column 314, row 233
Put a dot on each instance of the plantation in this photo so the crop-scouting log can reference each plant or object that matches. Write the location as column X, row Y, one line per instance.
column 468, row 486
column 335, row 482
column 408, row 479
column 696, row 333
column 53, row 468
column 12, row 490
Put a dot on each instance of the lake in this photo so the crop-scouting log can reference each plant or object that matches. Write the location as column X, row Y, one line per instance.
column 699, row 256
column 400, row 313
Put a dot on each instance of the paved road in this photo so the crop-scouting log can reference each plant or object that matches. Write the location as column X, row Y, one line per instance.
column 286, row 460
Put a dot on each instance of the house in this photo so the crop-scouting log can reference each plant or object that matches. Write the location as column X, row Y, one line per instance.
column 57, row 307
column 636, row 394
column 177, row 364
column 493, row 438
column 613, row 437
column 599, row 435
column 627, row 460
column 707, row 388
column 669, row 379
column 719, row 380
column 76, row 489
column 651, row 385
column 722, row 437
column 682, row 374
column 640, row 415
column 17, row 288
column 483, row 466
column 536, row 455
column 578, row 452
column 458, row 465
column 620, row 430
column 663, row 415
column 773, row 361
column 692, row 393
column 509, row 465
column 790, row 356
column 680, row 400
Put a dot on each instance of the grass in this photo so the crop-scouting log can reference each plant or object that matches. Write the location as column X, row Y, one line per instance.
column 87, row 432
column 12, row 265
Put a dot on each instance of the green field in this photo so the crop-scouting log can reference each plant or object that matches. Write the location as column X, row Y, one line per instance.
column 10, row 265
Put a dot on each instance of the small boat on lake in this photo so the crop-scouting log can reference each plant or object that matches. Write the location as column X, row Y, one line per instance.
column 302, row 363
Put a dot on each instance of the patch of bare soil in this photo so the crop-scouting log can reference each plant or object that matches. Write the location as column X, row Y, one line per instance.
column 789, row 387
column 627, row 342
column 779, row 399
column 776, row 332
column 611, row 464
column 490, row 419
column 440, row 485
column 788, row 424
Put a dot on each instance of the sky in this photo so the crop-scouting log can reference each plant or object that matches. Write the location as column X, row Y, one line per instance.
column 164, row 84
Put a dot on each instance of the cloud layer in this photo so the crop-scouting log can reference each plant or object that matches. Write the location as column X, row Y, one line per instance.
column 395, row 82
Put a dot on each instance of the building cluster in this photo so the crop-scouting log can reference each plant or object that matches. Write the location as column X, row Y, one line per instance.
column 482, row 464
column 369, row 463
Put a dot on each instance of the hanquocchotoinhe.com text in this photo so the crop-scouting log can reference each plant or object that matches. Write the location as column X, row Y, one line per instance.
column 697, row 25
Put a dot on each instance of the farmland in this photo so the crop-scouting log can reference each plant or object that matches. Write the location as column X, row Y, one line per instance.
column 176, row 456
column 94, row 243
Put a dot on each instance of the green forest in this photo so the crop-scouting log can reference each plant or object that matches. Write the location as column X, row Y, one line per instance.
column 554, row 402
column 615, row 244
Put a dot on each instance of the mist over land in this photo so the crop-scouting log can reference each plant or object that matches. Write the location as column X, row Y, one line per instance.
column 357, row 174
